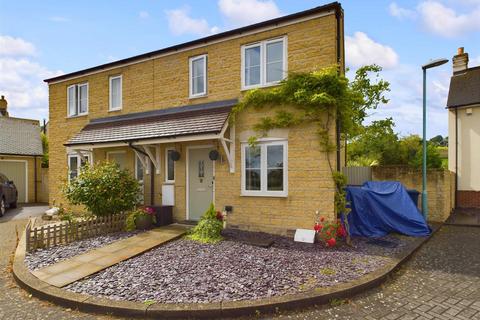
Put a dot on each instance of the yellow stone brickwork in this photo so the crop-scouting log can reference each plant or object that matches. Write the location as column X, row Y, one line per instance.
column 163, row 82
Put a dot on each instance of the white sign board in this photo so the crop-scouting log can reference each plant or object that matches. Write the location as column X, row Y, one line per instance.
column 305, row 235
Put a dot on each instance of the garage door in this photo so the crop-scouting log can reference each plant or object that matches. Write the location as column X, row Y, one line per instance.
column 16, row 171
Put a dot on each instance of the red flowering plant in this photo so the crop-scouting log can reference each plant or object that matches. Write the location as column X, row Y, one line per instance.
column 329, row 231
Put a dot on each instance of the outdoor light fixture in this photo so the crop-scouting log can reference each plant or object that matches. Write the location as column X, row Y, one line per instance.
column 431, row 64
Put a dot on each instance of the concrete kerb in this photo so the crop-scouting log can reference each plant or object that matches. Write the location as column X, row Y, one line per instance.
column 310, row 298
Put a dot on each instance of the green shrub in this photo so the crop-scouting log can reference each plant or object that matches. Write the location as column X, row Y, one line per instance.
column 103, row 189
column 208, row 229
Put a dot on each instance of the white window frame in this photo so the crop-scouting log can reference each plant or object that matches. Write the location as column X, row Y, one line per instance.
column 190, row 77
column 263, row 62
column 77, row 100
column 79, row 162
column 124, row 152
column 166, row 166
column 137, row 161
column 263, row 192
column 110, row 93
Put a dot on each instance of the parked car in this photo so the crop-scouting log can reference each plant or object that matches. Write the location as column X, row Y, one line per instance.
column 8, row 194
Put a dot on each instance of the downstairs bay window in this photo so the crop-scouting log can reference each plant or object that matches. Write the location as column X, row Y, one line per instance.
column 264, row 169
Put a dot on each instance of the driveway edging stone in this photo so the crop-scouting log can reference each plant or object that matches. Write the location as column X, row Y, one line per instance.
column 317, row 296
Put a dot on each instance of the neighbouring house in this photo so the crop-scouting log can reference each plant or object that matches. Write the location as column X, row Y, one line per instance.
column 464, row 130
column 21, row 155
column 161, row 114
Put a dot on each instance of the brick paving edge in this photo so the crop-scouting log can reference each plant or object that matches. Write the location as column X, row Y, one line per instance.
column 317, row 296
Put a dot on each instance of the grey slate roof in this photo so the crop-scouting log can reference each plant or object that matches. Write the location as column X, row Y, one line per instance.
column 464, row 88
column 164, row 123
column 20, row 137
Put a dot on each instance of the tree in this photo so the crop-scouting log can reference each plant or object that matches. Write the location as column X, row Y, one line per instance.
column 381, row 145
column 376, row 142
column 103, row 189
column 44, row 138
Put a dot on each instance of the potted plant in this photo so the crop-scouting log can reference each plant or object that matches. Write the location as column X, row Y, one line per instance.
column 141, row 218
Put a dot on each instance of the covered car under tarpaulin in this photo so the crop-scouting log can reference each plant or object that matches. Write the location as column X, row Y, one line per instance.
column 381, row 207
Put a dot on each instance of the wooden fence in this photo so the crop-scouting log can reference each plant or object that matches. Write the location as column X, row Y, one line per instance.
column 66, row 232
column 356, row 176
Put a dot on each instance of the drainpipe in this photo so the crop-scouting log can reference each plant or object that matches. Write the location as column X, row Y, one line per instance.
column 338, row 16
column 152, row 178
column 456, row 156
column 35, row 177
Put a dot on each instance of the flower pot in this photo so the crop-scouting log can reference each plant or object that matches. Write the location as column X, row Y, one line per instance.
column 144, row 222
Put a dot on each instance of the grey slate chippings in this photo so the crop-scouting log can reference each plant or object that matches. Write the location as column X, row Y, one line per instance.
column 184, row 271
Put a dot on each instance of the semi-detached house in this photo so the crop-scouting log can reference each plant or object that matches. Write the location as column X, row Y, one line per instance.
column 161, row 114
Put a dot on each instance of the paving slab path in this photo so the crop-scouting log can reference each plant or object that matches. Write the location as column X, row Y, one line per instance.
column 78, row 267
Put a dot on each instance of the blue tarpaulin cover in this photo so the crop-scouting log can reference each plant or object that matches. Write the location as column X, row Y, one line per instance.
column 381, row 207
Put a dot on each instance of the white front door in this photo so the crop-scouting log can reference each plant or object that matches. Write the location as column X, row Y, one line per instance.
column 200, row 182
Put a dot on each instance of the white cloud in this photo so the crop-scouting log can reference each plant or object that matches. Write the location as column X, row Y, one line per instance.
column 21, row 80
column 180, row 22
column 405, row 104
column 144, row 15
column 58, row 19
column 361, row 50
column 446, row 22
column 400, row 12
column 244, row 12
column 10, row 46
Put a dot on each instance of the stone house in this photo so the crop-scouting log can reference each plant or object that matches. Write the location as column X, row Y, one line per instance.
column 464, row 130
column 21, row 154
column 164, row 115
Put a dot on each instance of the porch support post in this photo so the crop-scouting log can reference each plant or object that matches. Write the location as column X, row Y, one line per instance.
column 229, row 152
column 143, row 161
column 154, row 158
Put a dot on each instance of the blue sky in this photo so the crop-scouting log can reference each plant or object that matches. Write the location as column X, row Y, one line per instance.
column 39, row 39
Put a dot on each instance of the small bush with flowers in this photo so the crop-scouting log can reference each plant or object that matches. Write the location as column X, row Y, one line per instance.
column 329, row 231
column 209, row 228
column 138, row 212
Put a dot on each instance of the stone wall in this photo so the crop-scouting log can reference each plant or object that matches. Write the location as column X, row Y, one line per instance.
column 440, row 187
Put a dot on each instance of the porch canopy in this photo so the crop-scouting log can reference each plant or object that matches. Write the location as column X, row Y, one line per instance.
column 144, row 132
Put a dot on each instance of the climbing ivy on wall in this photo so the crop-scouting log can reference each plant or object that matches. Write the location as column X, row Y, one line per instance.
column 321, row 97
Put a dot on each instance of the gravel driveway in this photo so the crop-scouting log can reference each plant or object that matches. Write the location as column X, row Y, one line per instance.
column 185, row 271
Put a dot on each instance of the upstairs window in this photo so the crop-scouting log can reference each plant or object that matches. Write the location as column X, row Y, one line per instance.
column 198, row 76
column 77, row 100
column 115, row 93
column 264, row 63
column 264, row 169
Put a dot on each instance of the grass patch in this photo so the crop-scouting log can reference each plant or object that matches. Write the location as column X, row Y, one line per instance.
column 337, row 302
column 327, row 271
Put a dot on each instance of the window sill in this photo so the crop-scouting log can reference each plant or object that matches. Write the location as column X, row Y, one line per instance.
column 114, row 110
column 169, row 182
column 264, row 195
column 204, row 95
column 77, row 116
column 268, row 85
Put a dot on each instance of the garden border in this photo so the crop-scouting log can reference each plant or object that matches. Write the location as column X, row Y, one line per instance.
column 89, row 303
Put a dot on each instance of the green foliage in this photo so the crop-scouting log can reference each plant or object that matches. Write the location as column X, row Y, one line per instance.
column 380, row 145
column 376, row 141
column 103, row 189
column 45, row 156
column 439, row 141
column 320, row 97
column 208, row 229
